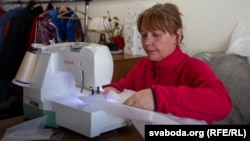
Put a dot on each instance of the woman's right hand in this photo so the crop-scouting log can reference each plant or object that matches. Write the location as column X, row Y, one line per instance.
column 106, row 90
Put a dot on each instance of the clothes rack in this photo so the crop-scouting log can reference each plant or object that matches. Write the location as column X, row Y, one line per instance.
column 40, row 1
column 58, row 1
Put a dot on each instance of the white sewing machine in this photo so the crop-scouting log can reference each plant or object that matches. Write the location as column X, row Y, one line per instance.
column 64, row 72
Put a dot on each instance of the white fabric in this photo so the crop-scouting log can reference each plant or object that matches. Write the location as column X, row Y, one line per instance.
column 240, row 41
column 139, row 117
column 28, row 131
column 98, row 24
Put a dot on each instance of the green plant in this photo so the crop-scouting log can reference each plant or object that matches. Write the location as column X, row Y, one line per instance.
column 113, row 27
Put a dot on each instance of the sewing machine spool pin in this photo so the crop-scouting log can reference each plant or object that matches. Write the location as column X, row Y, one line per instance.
column 98, row 90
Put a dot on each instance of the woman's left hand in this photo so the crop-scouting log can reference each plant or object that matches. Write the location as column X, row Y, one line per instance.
column 142, row 99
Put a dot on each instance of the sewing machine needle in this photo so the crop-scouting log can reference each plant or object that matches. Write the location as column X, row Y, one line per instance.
column 82, row 81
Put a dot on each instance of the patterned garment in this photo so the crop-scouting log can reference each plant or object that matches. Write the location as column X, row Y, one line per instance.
column 45, row 32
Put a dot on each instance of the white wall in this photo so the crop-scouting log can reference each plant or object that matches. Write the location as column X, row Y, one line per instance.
column 207, row 23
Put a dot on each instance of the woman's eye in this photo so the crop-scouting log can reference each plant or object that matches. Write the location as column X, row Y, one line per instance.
column 156, row 35
column 143, row 35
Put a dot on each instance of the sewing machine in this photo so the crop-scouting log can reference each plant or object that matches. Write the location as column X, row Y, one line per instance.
column 64, row 72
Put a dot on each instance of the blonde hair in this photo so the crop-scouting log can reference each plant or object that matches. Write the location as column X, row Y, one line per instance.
column 165, row 17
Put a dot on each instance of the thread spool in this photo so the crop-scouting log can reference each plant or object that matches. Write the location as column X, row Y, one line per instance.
column 25, row 72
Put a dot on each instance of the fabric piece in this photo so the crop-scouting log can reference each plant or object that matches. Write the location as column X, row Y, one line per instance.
column 139, row 117
column 29, row 130
column 240, row 40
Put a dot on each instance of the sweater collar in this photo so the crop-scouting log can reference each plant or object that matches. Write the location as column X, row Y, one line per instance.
column 173, row 59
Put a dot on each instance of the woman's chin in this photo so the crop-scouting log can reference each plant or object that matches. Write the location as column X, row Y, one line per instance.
column 153, row 58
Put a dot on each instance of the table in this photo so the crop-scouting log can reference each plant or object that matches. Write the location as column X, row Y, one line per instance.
column 127, row 133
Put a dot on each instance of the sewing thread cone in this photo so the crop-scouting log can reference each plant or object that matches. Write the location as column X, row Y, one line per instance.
column 26, row 68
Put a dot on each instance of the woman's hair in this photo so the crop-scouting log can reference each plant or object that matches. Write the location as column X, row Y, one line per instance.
column 165, row 17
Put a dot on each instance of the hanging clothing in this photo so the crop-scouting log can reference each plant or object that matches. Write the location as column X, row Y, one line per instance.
column 45, row 32
column 42, row 31
column 50, row 27
column 16, row 40
column 68, row 30
column 2, row 11
column 76, row 34
column 4, row 22
column 14, row 30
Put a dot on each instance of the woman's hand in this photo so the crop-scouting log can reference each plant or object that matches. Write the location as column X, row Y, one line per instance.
column 108, row 89
column 142, row 99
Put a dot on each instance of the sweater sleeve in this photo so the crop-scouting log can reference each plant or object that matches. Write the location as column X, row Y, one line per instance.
column 206, row 98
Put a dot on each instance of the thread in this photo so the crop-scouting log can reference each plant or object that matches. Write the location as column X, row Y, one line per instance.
column 26, row 69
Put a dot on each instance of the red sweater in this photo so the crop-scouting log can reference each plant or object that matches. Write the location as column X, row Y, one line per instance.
column 181, row 85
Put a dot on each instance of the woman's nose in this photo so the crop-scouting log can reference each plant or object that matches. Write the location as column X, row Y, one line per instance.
column 148, row 40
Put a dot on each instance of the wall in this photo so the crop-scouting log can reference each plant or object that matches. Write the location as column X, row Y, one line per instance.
column 207, row 23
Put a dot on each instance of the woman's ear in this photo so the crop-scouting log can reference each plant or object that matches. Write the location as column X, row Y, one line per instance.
column 179, row 35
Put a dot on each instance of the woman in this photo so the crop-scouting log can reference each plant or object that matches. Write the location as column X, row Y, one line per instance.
column 167, row 80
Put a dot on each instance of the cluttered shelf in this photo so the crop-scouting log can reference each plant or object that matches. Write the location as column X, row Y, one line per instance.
column 124, row 133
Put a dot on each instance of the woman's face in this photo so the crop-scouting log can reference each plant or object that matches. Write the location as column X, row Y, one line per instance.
column 158, row 44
